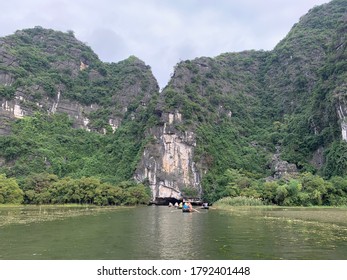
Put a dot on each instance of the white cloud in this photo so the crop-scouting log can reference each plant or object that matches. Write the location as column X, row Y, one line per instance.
column 161, row 32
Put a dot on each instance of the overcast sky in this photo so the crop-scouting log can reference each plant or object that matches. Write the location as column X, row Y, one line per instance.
column 161, row 32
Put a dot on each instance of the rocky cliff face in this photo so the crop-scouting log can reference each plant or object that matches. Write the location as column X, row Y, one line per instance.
column 51, row 72
column 167, row 162
column 281, row 168
column 340, row 78
column 342, row 114
column 20, row 107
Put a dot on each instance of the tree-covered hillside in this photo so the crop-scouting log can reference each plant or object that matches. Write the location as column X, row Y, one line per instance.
column 247, row 107
column 58, row 83
column 41, row 67
column 264, row 124
column 304, row 74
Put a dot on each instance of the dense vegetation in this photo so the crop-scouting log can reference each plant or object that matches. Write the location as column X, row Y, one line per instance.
column 246, row 106
column 46, row 149
column 48, row 143
column 315, row 55
column 43, row 65
column 47, row 188
column 305, row 189
column 243, row 108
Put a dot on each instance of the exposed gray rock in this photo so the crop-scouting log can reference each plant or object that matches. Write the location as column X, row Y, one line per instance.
column 318, row 158
column 341, row 108
column 167, row 163
column 6, row 79
column 281, row 168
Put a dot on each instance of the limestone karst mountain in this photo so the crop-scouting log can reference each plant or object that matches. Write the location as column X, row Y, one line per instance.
column 250, row 111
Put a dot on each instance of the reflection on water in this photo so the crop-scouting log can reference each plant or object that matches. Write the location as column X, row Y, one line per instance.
column 165, row 233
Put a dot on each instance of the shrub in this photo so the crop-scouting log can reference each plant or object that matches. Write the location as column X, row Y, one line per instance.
column 10, row 191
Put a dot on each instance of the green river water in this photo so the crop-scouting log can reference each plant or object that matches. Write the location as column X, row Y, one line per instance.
column 162, row 233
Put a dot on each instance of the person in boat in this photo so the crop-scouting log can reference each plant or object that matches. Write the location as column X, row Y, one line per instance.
column 190, row 207
column 180, row 206
column 185, row 206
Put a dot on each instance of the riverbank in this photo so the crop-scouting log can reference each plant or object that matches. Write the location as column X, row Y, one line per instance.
column 25, row 214
column 321, row 214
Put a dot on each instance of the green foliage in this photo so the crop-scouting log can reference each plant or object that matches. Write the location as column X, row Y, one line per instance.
column 302, row 89
column 135, row 195
column 337, row 194
column 226, row 146
column 7, row 91
column 336, row 159
column 305, row 190
column 239, row 201
column 47, row 188
column 107, row 194
column 50, row 144
column 42, row 149
column 9, row 191
column 189, row 192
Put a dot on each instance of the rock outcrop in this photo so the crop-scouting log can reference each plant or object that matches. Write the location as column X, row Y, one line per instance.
column 20, row 107
column 281, row 168
column 167, row 163
column 341, row 109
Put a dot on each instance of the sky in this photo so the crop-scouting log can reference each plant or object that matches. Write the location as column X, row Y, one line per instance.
column 161, row 32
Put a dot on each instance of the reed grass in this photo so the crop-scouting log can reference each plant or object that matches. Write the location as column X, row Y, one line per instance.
column 239, row 201
column 24, row 214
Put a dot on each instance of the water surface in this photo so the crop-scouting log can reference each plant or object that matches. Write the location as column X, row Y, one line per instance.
column 164, row 233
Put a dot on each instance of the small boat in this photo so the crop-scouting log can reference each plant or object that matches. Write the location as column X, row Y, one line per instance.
column 187, row 207
column 205, row 206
